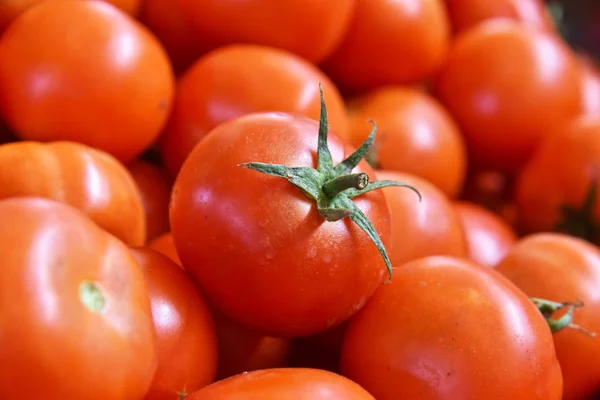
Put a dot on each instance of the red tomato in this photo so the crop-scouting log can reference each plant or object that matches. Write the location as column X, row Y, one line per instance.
column 391, row 42
column 450, row 329
column 80, row 176
column 185, row 330
column 258, row 246
column 419, row 229
column 154, row 185
column 110, row 89
column 415, row 135
column 489, row 237
column 590, row 86
column 164, row 245
column 504, row 92
column 309, row 28
column 75, row 315
column 284, row 384
column 231, row 82
column 563, row 268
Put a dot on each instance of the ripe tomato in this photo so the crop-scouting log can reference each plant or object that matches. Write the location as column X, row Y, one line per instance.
column 284, row 383
column 415, row 135
column 75, row 315
column 450, row 329
column 391, row 42
column 489, row 237
column 309, row 28
column 553, row 191
column 80, row 176
column 504, row 93
column 563, row 268
column 185, row 330
column 110, row 89
column 154, row 185
column 465, row 14
column 419, row 229
column 590, row 86
column 164, row 245
column 259, row 247
column 237, row 80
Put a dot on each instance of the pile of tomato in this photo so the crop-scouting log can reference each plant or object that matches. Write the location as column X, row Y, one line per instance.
column 297, row 199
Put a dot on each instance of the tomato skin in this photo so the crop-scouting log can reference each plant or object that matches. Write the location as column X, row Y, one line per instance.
column 383, row 34
column 449, row 328
column 85, row 178
column 257, row 245
column 489, row 237
column 242, row 79
column 562, row 268
column 113, row 93
column 283, row 384
column 273, row 23
column 415, row 134
column 503, row 119
column 185, row 330
column 419, row 229
column 590, row 86
column 164, row 245
column 50, row 250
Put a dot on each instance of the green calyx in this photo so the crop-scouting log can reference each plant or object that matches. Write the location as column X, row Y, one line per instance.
column 549, row 308
column 333, row 187
column 580, row 221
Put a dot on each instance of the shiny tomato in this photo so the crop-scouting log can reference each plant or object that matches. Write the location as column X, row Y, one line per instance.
column 284, row 384
column 556, row 189
column 75, row 315
column 110, row 89
column 154, row 185
column 505, row 94
column 391, row 42
column 415, row 135
column 590, row 86
column 489, row 237
column 563, row 268
column 85, row 178
column 427, row 228
column 185, row 330
column 164, row 245
column 450, row 329
column 309, row 28
column 238, row 80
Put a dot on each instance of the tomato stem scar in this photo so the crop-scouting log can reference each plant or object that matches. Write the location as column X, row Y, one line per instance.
column 91, row 296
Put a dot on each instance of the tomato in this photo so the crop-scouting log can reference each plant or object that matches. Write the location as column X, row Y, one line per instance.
column 110, row 89
column 421, row 228
column 489, row 237
column 465, row 14
column 80, row 176
column 590, row 86
column 447, row 328
column 154, row 185
column 391, row 42
column 237, row 80
column 415, row 135
column 505, row 94
column 262, row 252
column 164, row 245
column 553, row 191
column 185, row 330
column 285, row 383
column 310, row 28
column 75, row 315
column 563, row 268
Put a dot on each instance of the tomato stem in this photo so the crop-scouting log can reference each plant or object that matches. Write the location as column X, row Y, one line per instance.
column 91, row 296
column 549, row 308
column 335, row 186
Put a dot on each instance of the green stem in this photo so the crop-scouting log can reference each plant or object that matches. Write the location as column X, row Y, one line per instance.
column 337, row 185
column 549, row 308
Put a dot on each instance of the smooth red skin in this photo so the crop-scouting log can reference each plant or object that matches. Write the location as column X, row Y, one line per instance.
column 284, row 384
column 415, row 134
column 53, row 346
column 506, row 108
column 185, row 331
column 257, row 245
column 242, row 79
column 383, row 36
column 564, row 268
column 489, row 237
column 309, row 28
column 447, row 328
column 427, row 228
column 164, row 245
column 590, row 86
column 154, row 185
column 111, row 88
